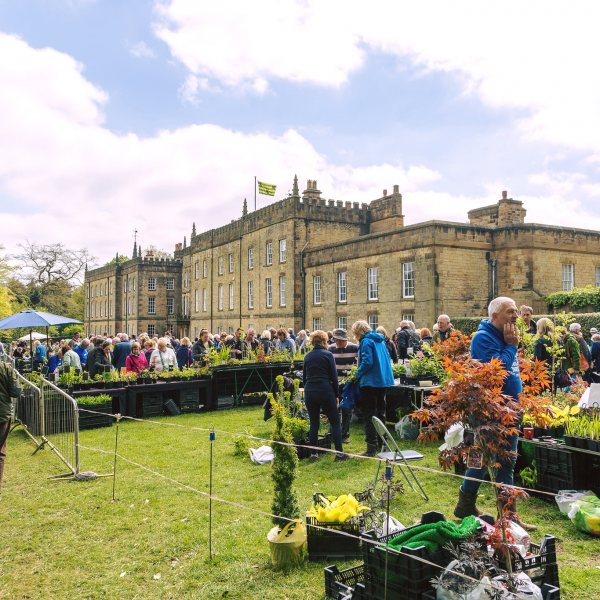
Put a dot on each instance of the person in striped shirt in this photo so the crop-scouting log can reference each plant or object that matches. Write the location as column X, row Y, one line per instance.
column 346, row 357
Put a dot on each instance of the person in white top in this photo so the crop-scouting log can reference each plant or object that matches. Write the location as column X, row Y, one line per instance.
column 162, row 358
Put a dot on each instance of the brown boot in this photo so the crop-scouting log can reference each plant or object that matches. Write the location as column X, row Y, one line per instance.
column 465, row 507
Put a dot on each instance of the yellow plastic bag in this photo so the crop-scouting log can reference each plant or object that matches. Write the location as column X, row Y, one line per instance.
column 288, row 546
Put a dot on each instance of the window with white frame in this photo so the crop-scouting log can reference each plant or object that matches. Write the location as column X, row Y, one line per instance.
column 101, row 289
column 282, row 290
column 151, row 284
column 567, row 277
column 171, row 328
column 185, row 279
column 269, row 293
column 408, row 317
column 231, row 263
column 197, row 271
column 316, row 323
column 196, row 300
column 170, row 306
column 219, row 330
column 134, row 284
column 597, row 276
column 269, row 253
column 373, row 321
column 372, row 283
column 195, row 333
column 151, row 306
column 282, row 251
column 341, row 286
column 170, row 284
column 87, row 310
column 317, row 289
column 204, row 300
column 343, row 322
column 220, row 297
column 96, row 287
column 231, row 331
column 106, row 289
column 151, row 330
column 251, row 258
column 408, row 280
column 100, row 308
column 204, row 269
column 185, row 305
column 220, row 262
column 231, row 296
column 250, row 294
column 87, row 292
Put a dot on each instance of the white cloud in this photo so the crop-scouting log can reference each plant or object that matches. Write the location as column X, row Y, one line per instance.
column 68, row 175
column 536, row 58
column 193, row 86
column 142, row 50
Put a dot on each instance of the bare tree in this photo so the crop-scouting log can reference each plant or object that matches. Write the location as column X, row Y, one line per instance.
column 44, row 263
column 5, row 268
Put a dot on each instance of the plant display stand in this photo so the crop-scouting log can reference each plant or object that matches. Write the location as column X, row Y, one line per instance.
column 327, row 545
column 91, row 420
column 348, row 583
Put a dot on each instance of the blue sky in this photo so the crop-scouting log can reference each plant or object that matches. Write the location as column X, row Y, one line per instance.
column 152, row 114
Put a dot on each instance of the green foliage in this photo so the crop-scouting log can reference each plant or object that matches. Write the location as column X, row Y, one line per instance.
column 467, row 325
column 242, row 444
column 285, row 464
column 92, row 400
column 398, row 369
column 575, row 298
column 529, row 476
column 426, row 367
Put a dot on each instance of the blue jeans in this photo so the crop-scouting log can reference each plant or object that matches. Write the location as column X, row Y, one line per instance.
column 503, row 475
column 325, row 400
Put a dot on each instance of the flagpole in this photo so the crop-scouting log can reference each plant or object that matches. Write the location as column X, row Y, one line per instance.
column 255, row 193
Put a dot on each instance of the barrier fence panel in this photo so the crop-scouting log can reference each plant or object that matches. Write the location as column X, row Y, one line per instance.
column 60, row 424
column 29, row 410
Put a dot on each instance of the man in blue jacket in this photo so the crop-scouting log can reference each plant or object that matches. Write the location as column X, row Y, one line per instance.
column 374, row 376
column 121, row 352
column 496, row 338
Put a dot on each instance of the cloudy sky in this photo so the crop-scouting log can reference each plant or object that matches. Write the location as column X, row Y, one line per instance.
column 151, row 114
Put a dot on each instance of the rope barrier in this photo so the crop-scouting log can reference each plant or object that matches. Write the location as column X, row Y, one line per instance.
column 271, row 515
column 374, row 458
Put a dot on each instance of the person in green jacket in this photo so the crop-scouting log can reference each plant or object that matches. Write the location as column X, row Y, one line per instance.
column 8, row 389
column 572, row 359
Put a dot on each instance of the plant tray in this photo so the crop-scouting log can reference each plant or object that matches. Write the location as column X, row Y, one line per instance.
column 345, row 584
column 326, row 544
column 89, row 420
column 189, row 401
column 541, row 568
column 171, row 407
column 408, row 577
column 549, row 592
column 322, row 442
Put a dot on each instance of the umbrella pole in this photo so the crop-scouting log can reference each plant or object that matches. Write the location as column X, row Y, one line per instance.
column 31, row 347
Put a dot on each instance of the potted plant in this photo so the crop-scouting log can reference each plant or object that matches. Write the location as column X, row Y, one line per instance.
column 89, row 408
column 288, row 537
column 146, row 376
column 107, row 377
column 99, row 381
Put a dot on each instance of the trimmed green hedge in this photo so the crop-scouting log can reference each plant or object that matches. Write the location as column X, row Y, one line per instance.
column 469, row 325
column 575, row 298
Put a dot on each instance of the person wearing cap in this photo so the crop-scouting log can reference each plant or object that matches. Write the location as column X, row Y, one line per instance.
column 346, row 357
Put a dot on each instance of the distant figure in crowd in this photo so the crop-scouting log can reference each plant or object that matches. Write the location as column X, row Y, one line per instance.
column 76, row 340
column 284, row 342
column 407, row 338
column 291, row 333
column 163, row 357
column 202, row 347
column 346, row 356
column 374, row 376
column 575, row 329
column 526, row 313
column 70, row 358
column 390, row 345
column 136, row 362
column 82, row 351
column 39, row 358
column 321, row 392
column 444, row 327
column 121, row 351
column 53, row 361
column 302, row 341
column 184, row 354
column 426, row 336
column 265, row 340
column 99, row 358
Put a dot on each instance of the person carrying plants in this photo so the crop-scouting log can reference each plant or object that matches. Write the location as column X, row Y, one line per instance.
column 374, row 376
column 497, row 338
column 8, row 389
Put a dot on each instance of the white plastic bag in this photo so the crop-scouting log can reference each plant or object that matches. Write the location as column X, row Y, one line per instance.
column 386, row 524
column 454, row 436
column 477, row 593
column 527, row 589
column 566, row 497
column 407, row 428
column 261, row 456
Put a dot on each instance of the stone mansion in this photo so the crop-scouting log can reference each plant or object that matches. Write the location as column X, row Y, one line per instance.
column 309, row 262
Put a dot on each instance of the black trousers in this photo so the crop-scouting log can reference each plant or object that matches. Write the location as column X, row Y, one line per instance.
column 4, row 429
column 373, row 405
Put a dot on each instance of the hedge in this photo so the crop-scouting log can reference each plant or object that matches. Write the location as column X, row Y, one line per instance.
column 469, row 325
column 575, row 298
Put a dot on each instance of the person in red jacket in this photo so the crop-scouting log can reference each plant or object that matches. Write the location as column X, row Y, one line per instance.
column 136, row 362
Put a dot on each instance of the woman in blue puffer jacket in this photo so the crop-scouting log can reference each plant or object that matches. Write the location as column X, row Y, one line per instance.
column 374, row 376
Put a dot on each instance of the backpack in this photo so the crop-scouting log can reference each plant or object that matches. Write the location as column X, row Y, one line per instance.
column 414, row 341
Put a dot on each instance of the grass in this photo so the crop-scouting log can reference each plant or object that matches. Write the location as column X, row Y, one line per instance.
column 66, row 539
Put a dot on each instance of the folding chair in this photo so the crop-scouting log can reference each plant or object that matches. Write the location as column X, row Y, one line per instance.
column 396, row 456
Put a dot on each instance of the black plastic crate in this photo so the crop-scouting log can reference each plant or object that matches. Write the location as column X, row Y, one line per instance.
column 322, row 442
column 326, row 544
column 93, row 420
column 552, row 460
column 555, row 483
column 171, row 407
column 541, row 568
column 189, row 401
column 549, row 592
column 408, row 577
column 349, row 582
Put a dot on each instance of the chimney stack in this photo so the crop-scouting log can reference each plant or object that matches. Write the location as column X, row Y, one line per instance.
column 384, row 193
column 504, row 195
column 396, row 189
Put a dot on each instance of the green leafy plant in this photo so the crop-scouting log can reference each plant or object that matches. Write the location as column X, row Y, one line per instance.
column 242, row 444
column 93, row 400
column 426, row 367
column 398, row 369
column 529, row 476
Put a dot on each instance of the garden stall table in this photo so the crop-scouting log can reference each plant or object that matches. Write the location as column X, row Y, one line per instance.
column 117, row 395
column 137, row 394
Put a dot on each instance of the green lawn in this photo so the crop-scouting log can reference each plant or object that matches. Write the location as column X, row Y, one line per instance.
column 68, row 540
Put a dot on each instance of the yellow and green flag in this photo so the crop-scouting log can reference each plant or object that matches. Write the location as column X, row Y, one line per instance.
column 268, row 189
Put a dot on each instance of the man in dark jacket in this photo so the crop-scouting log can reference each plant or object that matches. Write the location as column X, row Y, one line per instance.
column 407, row 338
column 121, row 351
column 575, row 329
column 99, row 357
column 8, row 389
